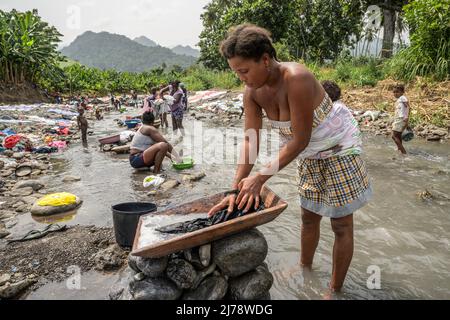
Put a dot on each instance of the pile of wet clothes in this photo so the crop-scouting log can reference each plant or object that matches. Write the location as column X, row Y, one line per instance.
column 197, row 224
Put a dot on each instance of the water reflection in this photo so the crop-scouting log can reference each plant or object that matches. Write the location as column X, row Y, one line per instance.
column 56, row 218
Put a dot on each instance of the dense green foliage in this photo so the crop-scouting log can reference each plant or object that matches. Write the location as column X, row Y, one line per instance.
column 312, row 30
column 27, row 47
column 429, row 52
column 315, row 37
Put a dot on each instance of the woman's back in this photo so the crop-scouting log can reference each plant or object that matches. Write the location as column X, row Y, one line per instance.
column 141, row 141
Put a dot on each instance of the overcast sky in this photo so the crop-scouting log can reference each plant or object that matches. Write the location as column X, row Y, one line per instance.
column 168, row 22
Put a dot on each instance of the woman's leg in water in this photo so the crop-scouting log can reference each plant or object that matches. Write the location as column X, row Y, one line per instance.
column 155, row 155
column 174, row 124
column 165, row 119
column 310, row 234
column 342, row 250
column 180, row 125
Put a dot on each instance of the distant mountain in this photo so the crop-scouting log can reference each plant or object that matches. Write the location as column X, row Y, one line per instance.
column 112, row 51
column 186, row 50
column 145, row 41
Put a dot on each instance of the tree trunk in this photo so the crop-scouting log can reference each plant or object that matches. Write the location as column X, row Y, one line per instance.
column 11, row 72
column 388, row 30
column 16, row 75
column 6, row 72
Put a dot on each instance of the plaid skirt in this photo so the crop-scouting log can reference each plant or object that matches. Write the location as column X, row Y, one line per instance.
column 333, row 187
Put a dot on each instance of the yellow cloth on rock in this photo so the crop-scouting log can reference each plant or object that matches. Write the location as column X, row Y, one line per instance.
column 57, row 199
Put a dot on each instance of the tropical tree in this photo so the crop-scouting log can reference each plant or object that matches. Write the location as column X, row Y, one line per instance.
column 429, row 52
column 28, row 47
column 315, row 30
column 392, row 17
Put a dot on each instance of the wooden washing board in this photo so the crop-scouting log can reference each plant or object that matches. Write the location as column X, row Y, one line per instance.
column 155, row 247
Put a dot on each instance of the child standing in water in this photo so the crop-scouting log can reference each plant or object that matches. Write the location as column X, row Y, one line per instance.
column 82, row 124
column 161, row 108
column 401, row 117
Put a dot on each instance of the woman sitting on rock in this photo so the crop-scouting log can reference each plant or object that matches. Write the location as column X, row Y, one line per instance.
column 148, row 147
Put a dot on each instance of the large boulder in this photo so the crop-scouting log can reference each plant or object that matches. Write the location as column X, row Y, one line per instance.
column 154, row 289
column 151, row 267
column 35, row 184
column 38, row 210
column 253, row 285
column 212, row 288
column 181, row 272
column 21, row 192
column 239, row 253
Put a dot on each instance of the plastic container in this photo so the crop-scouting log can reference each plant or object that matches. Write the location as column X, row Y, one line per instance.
column 126, row 217
column 407, row 135
column 132, row 123
column 186, row 164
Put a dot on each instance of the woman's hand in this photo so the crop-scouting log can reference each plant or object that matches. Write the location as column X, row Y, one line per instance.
column 175, row 156
column 228, row 201
column 250, row 189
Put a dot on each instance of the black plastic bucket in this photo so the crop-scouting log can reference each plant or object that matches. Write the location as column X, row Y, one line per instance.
column 126, row 218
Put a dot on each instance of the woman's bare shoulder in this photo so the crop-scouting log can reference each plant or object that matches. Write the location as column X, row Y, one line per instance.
column 249, row 93
column 293, row 71
column 147, row 130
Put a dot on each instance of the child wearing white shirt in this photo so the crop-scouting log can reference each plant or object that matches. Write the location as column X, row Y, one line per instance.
column 401, row 116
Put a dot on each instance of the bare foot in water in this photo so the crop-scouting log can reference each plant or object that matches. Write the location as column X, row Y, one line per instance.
column 330, row 294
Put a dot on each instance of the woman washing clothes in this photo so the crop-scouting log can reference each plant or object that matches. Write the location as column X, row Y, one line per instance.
column 324, row 138
column 177, row 107
column 148, row 147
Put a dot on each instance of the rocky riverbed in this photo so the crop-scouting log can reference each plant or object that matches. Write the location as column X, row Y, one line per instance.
column 84, row 171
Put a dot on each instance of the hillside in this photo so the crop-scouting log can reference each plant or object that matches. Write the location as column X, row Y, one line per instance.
column 145, row 41
column 186, row 50
column 112, row 51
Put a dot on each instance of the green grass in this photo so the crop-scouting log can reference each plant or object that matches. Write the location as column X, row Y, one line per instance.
column 199, row 78
column 412, row 62
column 349, row 72
column 67, row 63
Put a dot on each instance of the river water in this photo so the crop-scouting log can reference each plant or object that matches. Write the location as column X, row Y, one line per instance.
column 402, row 245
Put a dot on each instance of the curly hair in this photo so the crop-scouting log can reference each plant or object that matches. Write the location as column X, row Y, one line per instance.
column 399, row 87
column 148, row 118
column 332, row 89
column 247, row 41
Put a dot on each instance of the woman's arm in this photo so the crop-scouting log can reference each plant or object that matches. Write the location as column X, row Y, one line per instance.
column 250, row 146
column 301, row 92
column 406, row 117
column 249, row 150
column 177, row 98
column 164, row 90
column 158, row 137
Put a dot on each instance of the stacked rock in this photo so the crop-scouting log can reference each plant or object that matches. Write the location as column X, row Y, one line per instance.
column 231, row 268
